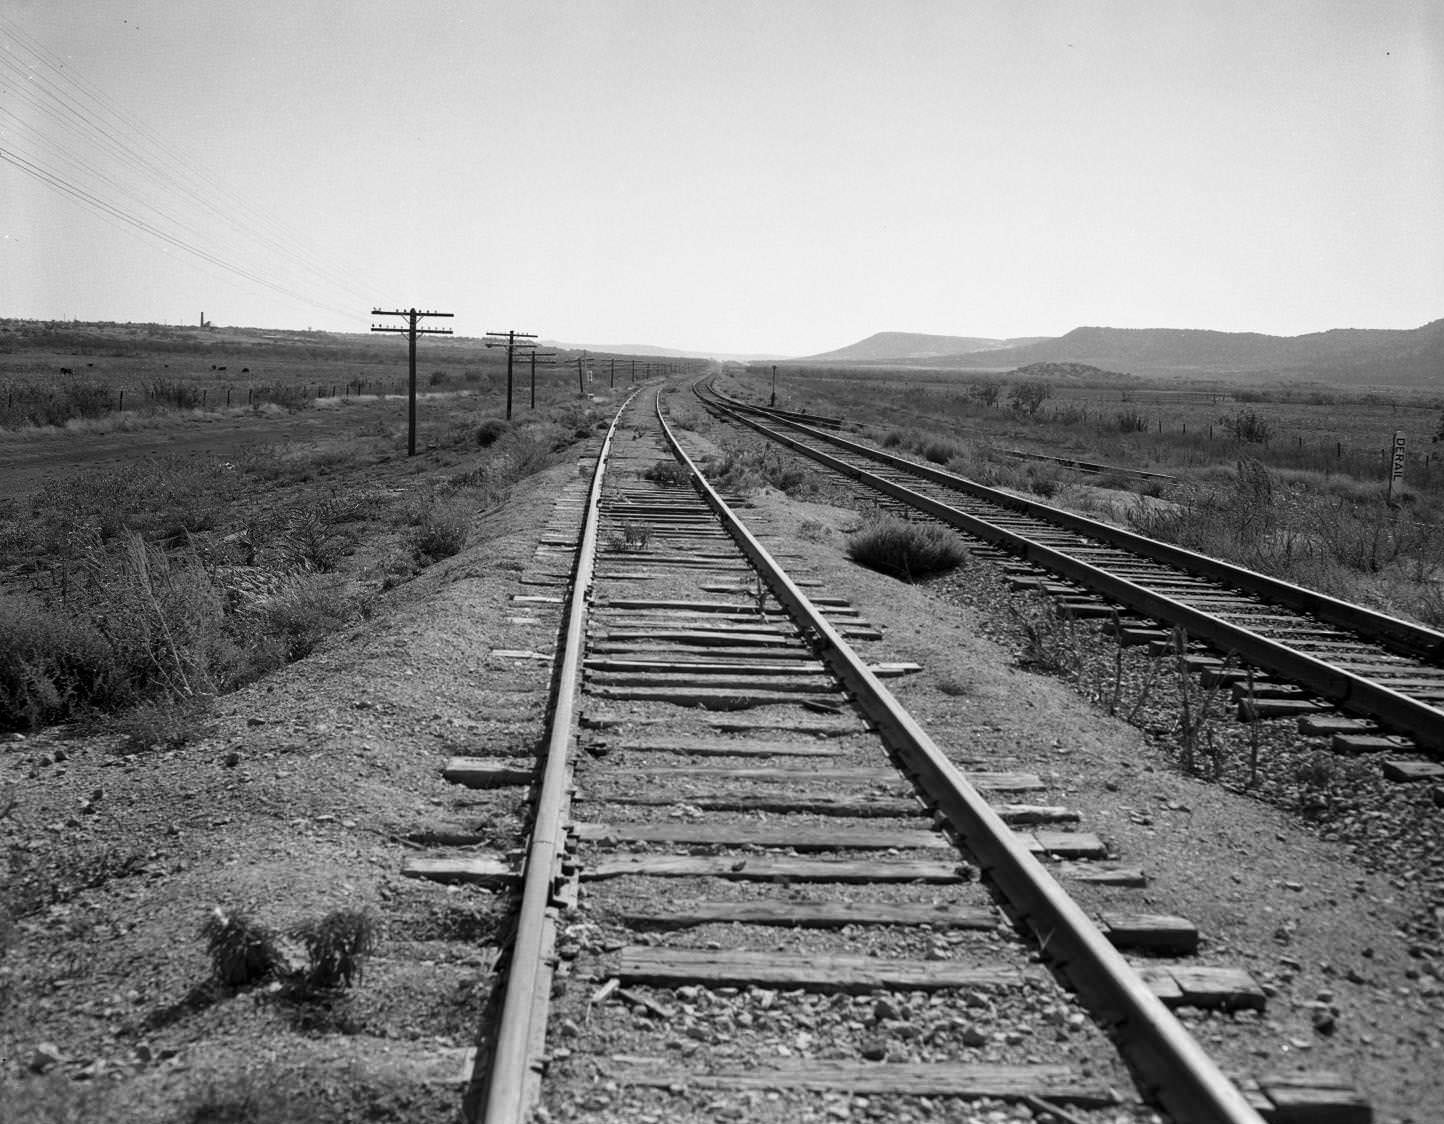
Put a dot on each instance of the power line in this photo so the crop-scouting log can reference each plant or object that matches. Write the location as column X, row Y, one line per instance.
column 72, row 109
column 282, row 239
column 99, row 205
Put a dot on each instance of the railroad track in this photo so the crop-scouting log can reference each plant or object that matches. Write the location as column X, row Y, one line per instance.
column 753, row 878
column 1286, row 650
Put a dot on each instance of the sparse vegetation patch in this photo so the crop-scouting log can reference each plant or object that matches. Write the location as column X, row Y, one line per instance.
column 905, row 550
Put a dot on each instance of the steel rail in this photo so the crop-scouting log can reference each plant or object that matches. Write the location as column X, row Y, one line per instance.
column 1406, row 637
column 1395, row 709
column 1172, row 1066
column 521, row 1028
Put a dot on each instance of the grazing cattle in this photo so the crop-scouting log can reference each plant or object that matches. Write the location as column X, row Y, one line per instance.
column 245, row 370
column 66, row 371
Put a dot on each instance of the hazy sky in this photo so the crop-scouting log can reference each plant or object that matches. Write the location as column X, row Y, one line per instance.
column 782, row 176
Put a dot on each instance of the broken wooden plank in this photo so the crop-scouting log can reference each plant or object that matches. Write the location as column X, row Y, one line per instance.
column 812, row 971
column 1019, row 814
column 1057, row 1083
column 1150, row 931
column 775, row 868
column 799, row 837
column 474, row 870
column 813, row 915
column 1193, row 986
column 486, row 772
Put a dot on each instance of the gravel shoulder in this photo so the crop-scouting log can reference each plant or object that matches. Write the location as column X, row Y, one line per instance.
column 301, row 798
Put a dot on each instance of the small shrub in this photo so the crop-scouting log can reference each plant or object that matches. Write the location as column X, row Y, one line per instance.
column 669, row 473
column 52, row 667
column 895, row 437
column 491, row 429
column 813, row 531
column 309, row 540
column 242, row 951
column 290, row 622
column 441, row 532
column 1044, row 480
column 336, row 948
column 939, row 451
column 905, row 550
column 1051, row 641
column 163, row 724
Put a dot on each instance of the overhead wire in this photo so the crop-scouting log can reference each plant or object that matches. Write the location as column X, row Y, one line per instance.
column 170, row 185
column 78, row 193
column 192, row 182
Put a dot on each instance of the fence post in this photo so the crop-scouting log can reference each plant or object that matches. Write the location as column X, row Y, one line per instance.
column 122, row 399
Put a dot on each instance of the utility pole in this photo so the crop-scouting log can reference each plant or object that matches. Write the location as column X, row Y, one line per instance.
column 534, row 354
column 581, row 379
column 511, row 340
column 774, row 385
column 634, row 372
column 412, row 331
column 612, row 370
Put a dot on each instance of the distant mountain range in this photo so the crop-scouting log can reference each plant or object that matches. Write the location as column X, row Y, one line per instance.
column 657, row 352
column 914, row 345
column 1405, row 357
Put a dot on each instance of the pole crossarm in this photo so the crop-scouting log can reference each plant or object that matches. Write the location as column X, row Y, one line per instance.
column 514, row 341
column 411, row 331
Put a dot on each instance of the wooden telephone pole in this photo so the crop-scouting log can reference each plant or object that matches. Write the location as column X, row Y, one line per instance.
column 412, row 331
column 534, row 355
column 511, row 341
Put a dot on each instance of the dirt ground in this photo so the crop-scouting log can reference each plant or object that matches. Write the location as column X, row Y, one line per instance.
column 303, row 794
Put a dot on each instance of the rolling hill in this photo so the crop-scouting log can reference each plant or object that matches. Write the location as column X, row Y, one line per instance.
column 1403, row 357
column 912, row 345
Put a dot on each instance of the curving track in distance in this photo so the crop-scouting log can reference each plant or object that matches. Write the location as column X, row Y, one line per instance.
column 734, row 816
column 1387, row 671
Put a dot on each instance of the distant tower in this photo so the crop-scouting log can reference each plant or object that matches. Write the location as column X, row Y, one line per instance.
column 203, row 319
